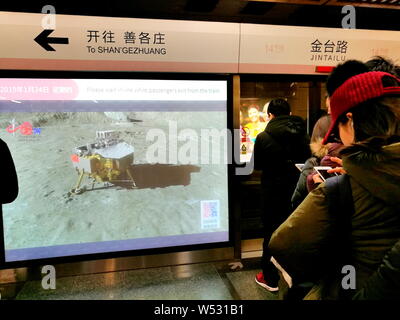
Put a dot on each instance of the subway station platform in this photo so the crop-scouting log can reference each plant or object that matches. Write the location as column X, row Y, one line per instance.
column 220, row 280
column 207, row 281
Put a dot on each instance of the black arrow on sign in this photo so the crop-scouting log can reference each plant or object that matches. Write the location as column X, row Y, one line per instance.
column 43, row 40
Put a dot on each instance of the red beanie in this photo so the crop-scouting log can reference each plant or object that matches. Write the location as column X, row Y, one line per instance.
column 356, row 90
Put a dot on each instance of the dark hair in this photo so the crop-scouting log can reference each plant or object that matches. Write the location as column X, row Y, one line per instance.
column 385, row 65
column 321, row 128
column 343, row 72
column 375, row 119
column 378, row 117
column 279, row 107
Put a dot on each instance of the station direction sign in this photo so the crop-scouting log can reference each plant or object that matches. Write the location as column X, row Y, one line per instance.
column 155, row 45
column 103, row 43
column 299, row 50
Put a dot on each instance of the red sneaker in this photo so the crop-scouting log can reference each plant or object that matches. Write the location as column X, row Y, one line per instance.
column 261, row 281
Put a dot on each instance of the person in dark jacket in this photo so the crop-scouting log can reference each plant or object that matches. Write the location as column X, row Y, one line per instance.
column 320, row 157
column 283, row 143
column 9, row 191
column 384, row 284
column 366, row 115
column 9, row 177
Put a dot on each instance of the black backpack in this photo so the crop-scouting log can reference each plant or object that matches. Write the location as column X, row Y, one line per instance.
column 341, row 207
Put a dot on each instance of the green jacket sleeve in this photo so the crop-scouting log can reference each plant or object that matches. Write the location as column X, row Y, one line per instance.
column 299, row 243
column 384, row 284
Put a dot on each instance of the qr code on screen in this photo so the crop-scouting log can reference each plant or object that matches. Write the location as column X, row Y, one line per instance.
column 209, row 214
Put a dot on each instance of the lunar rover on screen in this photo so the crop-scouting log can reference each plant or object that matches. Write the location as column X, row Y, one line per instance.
column 108, row 160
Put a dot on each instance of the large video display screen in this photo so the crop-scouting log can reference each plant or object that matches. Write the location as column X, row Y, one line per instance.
column 113, row 165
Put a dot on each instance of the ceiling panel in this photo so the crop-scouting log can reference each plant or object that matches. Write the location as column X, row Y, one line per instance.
column 384, row 4
column 313, row 13
column 316, row 2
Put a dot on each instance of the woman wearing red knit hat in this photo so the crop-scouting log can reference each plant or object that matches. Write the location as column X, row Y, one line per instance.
column 365, row 108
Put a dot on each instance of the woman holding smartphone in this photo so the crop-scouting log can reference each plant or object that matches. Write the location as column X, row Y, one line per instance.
column 365, row 110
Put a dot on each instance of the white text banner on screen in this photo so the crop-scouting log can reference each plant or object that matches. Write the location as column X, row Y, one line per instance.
column 111, row 89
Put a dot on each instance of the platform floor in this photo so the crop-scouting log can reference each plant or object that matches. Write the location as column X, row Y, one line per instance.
column 205, row 281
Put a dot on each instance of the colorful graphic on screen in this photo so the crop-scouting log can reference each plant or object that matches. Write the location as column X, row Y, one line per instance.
column 110, row 165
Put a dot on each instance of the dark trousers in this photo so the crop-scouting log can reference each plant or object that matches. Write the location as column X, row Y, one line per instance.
column 275, row 210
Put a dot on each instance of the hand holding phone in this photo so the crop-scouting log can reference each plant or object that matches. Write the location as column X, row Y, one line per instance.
column 323, row 172
column 317, row 178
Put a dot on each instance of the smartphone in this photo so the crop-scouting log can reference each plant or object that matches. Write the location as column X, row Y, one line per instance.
column 323, row 172
column 299, row 166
